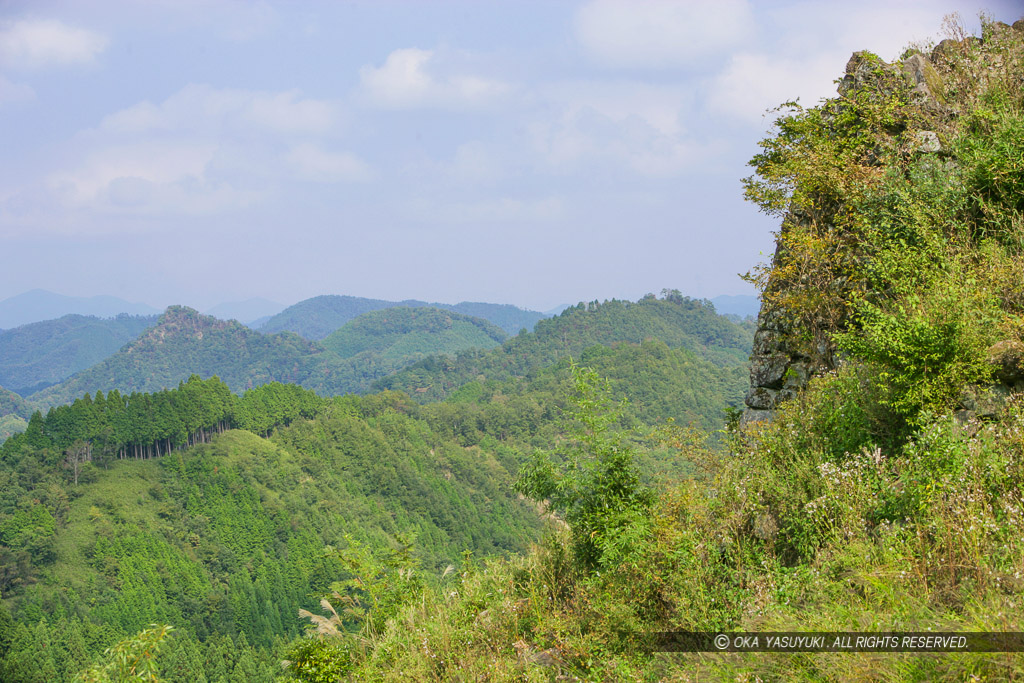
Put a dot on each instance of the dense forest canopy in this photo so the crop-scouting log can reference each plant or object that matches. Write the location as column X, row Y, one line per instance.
column 675, row 320
column 103, row 530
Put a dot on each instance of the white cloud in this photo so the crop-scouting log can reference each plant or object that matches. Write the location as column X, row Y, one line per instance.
column 11, row 93
column 630, row 126
column 311, row 163
column 885, row 28
column 588, row 140
column 144, row 178
column 411, row 78
column 752, row 84
column 659, row 106
column 154, row 162
column 661, row 33
column 202, row 150
column 204, row 109
column 805, row 47
column 37, row 43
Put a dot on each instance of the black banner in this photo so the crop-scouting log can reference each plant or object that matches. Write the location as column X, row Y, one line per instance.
column 835, row 641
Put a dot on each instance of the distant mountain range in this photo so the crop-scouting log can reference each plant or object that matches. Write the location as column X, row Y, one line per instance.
column 341, row 344
column 317, row 317
column 183, row 342
column 39, row 304
column 379, row 343
column 400, row 332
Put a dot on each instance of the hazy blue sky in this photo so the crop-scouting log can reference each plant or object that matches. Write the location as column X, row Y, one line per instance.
column 534, row 153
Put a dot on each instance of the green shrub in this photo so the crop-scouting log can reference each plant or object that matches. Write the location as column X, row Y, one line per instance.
column 596, row 487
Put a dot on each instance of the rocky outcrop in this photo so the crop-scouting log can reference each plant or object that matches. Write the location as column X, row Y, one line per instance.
column 787, row 352
column 982, row 402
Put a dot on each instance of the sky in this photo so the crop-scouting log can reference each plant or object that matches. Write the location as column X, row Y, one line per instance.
column 533, row 153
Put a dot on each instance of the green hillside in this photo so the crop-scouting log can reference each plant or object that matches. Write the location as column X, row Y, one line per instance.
column 659, row 383
column 14, row 414
column 379, row 343
column 184, row 343
column 398, row 333
column 225, row 538
column 511, row 319
column 142, row 508
column 12, row 404
column 675, row 320
column 319, row 316
column 38, row 355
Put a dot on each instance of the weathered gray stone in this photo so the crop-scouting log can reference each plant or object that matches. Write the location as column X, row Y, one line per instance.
column 945, row 49
column 1008, row 358
column 770, row 319
column 768, row 371
column 767, row 342
column 928, row 142
column 983, row 402
column 916, row 67
column 761, row 398
column 926, row 81
column 798, row 374
column 859, row 69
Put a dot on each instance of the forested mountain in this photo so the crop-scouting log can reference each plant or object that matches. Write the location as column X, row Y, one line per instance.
column 13, row 404
column 229, row 537
column 38, row 355
column 14, row 413
column 675, row 320
column 658, row 382
column 510, row 318
column 184, row 342
column 317, row 317
column 371, row 348
column 397, row 333
column 376, row 344
column 38, row 305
